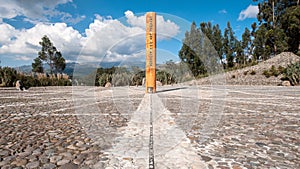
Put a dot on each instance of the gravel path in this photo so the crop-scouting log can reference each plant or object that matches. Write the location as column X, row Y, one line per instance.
column 205, row 127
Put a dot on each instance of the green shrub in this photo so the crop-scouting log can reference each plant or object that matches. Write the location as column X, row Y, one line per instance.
column 274, row 71
column 266, row 73
column 281, row 69
column 292, row 73
column 7, row 76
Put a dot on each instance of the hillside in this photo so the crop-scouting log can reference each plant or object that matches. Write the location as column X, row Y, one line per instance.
column 244, row 76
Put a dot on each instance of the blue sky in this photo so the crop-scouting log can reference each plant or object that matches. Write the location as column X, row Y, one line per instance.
column 108, row 30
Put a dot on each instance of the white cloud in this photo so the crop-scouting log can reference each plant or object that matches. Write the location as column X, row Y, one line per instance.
column 26, row 41
column 105, row 38
column 223, row 11
column 35, row 10
column 250, row 12
column 123, row 41
column 7, row 33
column 165, row 28
column 110, row 34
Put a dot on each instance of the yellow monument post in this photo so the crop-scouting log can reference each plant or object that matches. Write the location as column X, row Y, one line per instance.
column 150, row 52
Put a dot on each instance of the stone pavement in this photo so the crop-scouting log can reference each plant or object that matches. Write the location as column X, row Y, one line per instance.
column 172, row 148
column 193, row 127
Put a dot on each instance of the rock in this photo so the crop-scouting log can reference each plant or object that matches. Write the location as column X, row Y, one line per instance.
column 18, row 84
column 49, row 166
column 193, row 83
column 206, row 158
column 33, row 164
column 43, row 159
column 67, row 155
column 2, row 163
column 286, row 83
column 236, row 167
column 55, row 159
column 158, row 83
column 17, row 168
column 62, row 162
column 260, row 144
column 89, row 162
column 69, row 166
column 36, row 152
column 80, row 158
column 49, row 152
column 80, row 144
column 72, row 147
column 19, row 162
column 108, row 84
column 24, row 154
column 4, row 153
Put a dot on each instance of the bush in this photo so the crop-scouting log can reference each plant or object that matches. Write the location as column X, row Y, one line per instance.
column 281, row 69
column 274, row 71
column 28, row 81
column 104, row 78
column 292, row 73
column 8, row 76
column 267, row 73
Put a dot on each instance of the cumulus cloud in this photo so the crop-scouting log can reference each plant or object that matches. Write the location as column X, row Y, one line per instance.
column 105, row 39
column 26, row 41
column 250, row 12
column 165, row 28
column 112, row 40
column 7, row 33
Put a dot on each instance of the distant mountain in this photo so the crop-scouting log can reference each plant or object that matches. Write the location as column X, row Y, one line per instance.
column 85, row 68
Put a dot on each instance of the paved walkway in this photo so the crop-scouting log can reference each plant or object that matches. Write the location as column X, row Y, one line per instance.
column 172, row 149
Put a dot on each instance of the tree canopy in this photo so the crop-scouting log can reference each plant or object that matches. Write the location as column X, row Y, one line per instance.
column 49, row 55
column 277, row 30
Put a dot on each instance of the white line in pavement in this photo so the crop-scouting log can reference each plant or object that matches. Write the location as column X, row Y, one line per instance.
column 171, row 147
column 269, row 95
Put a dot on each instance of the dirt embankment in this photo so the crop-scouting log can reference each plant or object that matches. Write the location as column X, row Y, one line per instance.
column 253, row 75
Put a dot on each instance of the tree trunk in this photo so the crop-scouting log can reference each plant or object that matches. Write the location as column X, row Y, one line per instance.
column 274, row 26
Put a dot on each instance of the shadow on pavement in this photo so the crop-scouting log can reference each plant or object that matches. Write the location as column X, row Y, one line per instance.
column 168, row 90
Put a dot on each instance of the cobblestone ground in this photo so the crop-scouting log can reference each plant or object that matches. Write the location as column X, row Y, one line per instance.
column 205, row 127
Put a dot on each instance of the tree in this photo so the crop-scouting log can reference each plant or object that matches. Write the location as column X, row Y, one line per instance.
column 37, row 65
column 217, row 41
column 214, row 34
column 191, row 50
column 207, row 29
column 291, row 25
column 229, row 45
column 275, row 15
column 51, row 56
column 239, row 53
column 59, row 63
column 246, row 45
column 259, row 43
